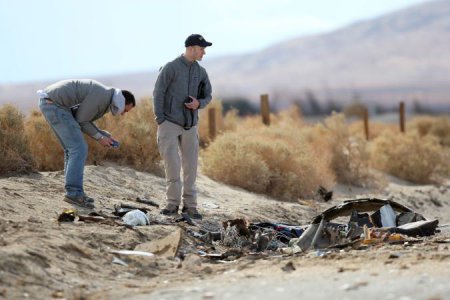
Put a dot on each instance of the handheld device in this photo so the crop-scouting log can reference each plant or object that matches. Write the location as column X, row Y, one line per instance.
column 115, row 144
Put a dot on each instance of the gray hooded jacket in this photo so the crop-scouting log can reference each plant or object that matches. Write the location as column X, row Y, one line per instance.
column 177, row 80
column 90, row 98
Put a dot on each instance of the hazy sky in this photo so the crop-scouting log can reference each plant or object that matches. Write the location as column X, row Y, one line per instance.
column 57, row 39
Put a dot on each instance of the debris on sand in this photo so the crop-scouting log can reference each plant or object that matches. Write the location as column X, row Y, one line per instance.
column 382, row 225
column 166, row 247
column 370, row 221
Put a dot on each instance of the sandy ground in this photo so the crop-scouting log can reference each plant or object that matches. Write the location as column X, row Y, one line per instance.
column 43, row 259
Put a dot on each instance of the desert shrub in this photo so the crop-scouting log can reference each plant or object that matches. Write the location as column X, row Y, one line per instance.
column 136, row 132
column 14, row 150
column 44, row 146
column 46, row 149
column 409, row 156
column 231, row 120
column 203, row 126
column 350, row 156
column 438, row 127
column 443, row 170
column 275, row 160
column 356, row 128
column 291, row 117
column 137, row 135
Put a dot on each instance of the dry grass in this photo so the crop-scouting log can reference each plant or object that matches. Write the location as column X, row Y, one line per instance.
column 356, row 128
column 14, row 150
column 136, row 132
column 203, row 126
column 46, row 149
column 290, row 159
column 44, row 146
column 410, row 156
column 275, row 160
column 350, row 156
column 287, row 160
column 437, row 127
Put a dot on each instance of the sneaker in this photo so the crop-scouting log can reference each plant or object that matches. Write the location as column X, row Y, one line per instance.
column 169, row 210
column 192, row 212
column 88, row 199
column 82, row 201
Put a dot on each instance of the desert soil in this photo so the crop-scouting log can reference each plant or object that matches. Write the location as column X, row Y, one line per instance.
column 41, row 258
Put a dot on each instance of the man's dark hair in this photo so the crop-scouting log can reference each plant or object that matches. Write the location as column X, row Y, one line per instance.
column 129, row 97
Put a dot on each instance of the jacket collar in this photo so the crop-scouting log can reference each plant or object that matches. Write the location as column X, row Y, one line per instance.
column 186, row 62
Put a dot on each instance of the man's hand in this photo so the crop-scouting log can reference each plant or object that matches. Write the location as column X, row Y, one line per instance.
column 105, row 141
column 195, row 104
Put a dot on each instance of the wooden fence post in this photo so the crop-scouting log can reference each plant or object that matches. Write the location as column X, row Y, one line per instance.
column 265, row 109
column 366, row 123
column 212, row 123
column 402, row 116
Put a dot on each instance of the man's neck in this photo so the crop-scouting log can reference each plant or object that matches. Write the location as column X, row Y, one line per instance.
column 188, row 58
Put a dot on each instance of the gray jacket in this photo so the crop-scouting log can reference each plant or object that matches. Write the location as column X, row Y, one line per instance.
column 177, row 80
column 89, row 98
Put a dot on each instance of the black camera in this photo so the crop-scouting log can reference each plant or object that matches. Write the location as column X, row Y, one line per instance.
column 188, row 100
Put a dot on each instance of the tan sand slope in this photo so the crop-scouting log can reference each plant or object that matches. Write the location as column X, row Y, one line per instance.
column 41, row 258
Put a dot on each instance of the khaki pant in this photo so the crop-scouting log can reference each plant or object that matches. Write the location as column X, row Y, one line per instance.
column 174, row 140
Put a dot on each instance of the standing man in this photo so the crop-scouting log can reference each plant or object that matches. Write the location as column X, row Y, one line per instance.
column 70, row 108
column 181, row 89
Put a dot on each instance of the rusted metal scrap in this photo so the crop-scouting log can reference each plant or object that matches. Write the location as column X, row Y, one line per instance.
column 323, row 233
column 361, row 205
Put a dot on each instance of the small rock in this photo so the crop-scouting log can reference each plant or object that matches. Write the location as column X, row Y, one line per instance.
column 118, row 261
column 33, row 220
column 208, row 295
column 58, row 294
column 394, row 255
column 289, row 267
column 354, row 286
column 192, row 261
column 210, row 205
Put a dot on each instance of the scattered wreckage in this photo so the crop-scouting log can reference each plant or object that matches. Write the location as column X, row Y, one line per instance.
column 352, row 222
column 369, row 221
column 387, row 222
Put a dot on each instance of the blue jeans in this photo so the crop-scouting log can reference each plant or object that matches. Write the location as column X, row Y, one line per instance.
column 69, row 134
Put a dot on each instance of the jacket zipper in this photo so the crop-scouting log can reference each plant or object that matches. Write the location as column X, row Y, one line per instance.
column 189, row 85
column 189, row 79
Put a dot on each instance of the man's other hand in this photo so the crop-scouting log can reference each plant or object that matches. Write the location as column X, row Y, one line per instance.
column 105, row 141
column 194, row 104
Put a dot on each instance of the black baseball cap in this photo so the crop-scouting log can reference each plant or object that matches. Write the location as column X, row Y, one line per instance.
column 196, row 40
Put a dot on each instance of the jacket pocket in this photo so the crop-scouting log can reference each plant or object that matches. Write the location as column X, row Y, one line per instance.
column 168, row 105
column 171, row 104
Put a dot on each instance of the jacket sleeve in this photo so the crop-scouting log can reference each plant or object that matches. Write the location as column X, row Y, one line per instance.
column 163, row 81
column 87, row 112
column 208, row 92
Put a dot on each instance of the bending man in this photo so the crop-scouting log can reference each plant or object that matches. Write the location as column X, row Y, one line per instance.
column 70, row 108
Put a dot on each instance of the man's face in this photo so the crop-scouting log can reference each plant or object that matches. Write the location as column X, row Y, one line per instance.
column 198, row 52
column 128, row 107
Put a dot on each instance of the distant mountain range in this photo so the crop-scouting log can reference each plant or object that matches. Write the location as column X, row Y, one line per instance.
column 402, row 56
